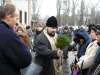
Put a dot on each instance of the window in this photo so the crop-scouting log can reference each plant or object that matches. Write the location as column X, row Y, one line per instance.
column 25, row 15
column 20, row 16
column 1, row 2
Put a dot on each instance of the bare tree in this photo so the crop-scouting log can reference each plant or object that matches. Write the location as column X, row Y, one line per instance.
column 93, row 13
column 97, row 17
column 86, row 15
column 59, row 11
column 82, row 8
column 36, row 10
column 34, row 6
column 75, row 4
column 66, row 11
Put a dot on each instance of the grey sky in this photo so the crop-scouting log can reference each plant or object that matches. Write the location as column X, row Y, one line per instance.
column 48, row 7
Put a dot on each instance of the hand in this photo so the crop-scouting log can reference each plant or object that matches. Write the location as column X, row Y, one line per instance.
column 74, row 66
column 60, row 53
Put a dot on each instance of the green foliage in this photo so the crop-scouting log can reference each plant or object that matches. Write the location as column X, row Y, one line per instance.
column 62, row 41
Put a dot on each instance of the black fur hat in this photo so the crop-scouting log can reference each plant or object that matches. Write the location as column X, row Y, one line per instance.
column 52, row 22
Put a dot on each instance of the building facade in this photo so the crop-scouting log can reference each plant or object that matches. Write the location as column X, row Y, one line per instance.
column 25, row 10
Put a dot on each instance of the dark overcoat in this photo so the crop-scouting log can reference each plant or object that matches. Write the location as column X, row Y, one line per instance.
column 44, row 54
column 14, row 55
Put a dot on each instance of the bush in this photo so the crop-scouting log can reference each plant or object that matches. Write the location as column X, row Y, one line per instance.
column 62, row 41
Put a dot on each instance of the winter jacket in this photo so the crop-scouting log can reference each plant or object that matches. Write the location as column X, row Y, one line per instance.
column 14, row 55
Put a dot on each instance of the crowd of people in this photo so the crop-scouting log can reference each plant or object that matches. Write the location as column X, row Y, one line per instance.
column 17, row 45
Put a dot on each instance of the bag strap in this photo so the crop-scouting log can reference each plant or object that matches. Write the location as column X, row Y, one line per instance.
column 81, row 68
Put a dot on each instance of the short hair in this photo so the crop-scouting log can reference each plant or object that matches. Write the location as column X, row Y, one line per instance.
column 8, row 9
column 94, row 29
column 65, row 28
column 1, row 12
column 19, row 27
column 39, row 25
column 98, row 29
column 27, row 27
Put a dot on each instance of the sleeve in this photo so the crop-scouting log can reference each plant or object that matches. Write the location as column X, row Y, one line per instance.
column 17, row 53
column 89, row 58
column 41, row 48
column 96, row 61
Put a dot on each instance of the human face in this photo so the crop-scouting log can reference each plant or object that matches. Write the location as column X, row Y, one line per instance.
column 93, row 35
column 20, row 29
column 13, row 19
column 51, row 31
column 81, row 41
column 39, row 28
column 65, row 30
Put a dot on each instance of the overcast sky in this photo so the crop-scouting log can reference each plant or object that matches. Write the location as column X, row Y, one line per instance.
column 48, row 7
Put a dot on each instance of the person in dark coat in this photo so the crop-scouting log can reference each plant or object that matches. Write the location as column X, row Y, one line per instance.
column 44, row 47
column 14, row 55
column 81, row 38
column 1, row 10
column 39, row 28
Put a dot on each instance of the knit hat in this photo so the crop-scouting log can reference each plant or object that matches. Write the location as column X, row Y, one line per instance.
column 52, row 22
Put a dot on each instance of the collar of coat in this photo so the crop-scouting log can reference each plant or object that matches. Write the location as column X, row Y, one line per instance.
column 92, row 43
column 5, row 24
column 52, row 40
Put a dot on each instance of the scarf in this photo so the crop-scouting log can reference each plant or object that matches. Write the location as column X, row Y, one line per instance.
column 52, row 41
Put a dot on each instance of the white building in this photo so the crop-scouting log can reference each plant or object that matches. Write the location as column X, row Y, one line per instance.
column 22, row 5
column 25, row 9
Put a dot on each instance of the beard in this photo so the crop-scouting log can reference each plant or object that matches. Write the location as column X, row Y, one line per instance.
column 38, row 32
column 52, row 34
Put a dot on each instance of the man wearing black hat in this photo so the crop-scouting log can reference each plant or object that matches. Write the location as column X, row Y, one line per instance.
column 45, row 48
